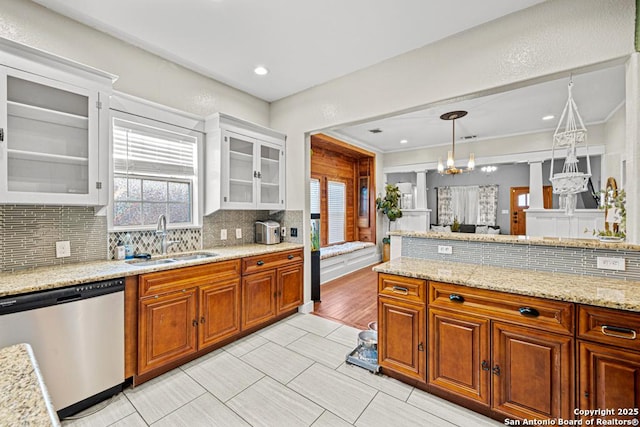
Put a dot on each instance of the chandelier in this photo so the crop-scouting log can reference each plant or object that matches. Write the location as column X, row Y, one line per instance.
column 451, row 155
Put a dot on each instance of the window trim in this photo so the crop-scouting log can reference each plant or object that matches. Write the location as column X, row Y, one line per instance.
column 196, row 182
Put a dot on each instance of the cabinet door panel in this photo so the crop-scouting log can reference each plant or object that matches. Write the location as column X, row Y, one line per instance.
column 289, row 288
column 459, row 356
column 167, row 331
column 533, row 373
column 258, row 298
column 608, row 378
column 219, row 312
column 402, row 335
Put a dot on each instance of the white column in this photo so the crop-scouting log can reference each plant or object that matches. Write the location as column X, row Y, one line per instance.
column 535, row 186
column 421, row 189
column 632, row 151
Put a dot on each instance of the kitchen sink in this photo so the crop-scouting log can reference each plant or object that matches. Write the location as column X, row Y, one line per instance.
column 191, row 257
column 177, row 258
column 152, row 262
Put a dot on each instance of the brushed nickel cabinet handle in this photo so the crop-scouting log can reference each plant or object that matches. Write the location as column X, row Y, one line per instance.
column 400, row 290
column 617, row 332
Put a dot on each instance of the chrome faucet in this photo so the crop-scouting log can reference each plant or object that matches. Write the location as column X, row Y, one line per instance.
column 161, row 230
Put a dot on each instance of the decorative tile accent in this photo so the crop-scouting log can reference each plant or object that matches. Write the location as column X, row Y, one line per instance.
column 189, row 239
column 554, row 259
column 28, row 235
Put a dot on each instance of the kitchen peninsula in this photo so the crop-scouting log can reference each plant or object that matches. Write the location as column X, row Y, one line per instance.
column 513, row 327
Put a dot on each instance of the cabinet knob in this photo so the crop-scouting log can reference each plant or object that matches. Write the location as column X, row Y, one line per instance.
column 420, row 347
column 529, row 311
column 586, row 394
column 485, row 365
column 202, row 319
column 260, row 262
column 456, row 298
column 496, row 370
column 195, row 322
column 1, row 134
column 290, row 257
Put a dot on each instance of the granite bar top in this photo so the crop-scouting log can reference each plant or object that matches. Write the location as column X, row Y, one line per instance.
column 24, row 399
column 44, row 278
column 520, row 240
column 598, row 291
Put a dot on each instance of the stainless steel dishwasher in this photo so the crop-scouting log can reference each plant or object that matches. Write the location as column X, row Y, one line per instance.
column 77, row 336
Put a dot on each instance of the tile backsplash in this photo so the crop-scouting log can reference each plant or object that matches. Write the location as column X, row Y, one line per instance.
column 554, row 259
column 28, row 235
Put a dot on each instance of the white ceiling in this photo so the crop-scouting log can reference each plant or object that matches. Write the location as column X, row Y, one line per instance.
column 303, row 43
column 597, row 94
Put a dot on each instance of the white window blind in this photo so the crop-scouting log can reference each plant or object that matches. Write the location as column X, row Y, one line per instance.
column 142, row 149
column 336, row 206
column 315, row 196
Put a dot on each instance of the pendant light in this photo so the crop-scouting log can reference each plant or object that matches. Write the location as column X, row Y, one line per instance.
column 451, row 155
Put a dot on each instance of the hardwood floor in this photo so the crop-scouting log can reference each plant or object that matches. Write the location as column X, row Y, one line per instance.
column 351, row 299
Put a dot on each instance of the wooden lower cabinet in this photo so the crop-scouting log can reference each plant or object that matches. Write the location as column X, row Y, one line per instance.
column 459, row 358
column 167, row 329
column 532, row 373
column 289, row 294
column 258, row 298
column 608, row 378
column 402, row 339
column 219, row 312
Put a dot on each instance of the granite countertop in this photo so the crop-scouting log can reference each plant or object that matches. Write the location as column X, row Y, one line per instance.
column 520, row 240
column 44, row 278
column 24, row 400
column 598, row 291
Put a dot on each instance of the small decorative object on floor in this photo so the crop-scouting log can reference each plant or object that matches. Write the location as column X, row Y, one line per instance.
column 365, row 354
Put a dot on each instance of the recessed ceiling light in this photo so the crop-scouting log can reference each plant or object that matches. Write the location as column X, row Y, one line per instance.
column 403, row 141
column 260, row 70
column 548, row 117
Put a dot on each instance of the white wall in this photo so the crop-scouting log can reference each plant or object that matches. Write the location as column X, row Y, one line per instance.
column 614, row 135
column 545, row 40
column 141, row 73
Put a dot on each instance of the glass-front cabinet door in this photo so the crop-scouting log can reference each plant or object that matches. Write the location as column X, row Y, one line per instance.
column 239, row 191
column 270, row 177
column 49, row 141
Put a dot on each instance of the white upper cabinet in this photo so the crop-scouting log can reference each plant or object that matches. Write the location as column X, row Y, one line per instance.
column 54, row 134
column 244, row 166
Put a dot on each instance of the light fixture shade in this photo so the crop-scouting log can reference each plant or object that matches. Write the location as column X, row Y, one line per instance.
column 472, row 162
column 440, row 166
column 450, row 161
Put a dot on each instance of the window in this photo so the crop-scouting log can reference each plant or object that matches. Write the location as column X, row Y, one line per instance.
column 315, row 196
column 336, row 208
column 155, row 173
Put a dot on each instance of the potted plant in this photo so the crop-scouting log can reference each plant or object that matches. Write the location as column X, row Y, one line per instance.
column 389, row 206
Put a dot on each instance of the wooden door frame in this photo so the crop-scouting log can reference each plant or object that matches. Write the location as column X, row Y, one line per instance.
column 547, row 201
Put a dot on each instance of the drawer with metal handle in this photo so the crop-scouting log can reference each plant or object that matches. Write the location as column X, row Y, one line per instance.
column 603, row 325
column 406, row 288
column 556, row 316
column 270, row 261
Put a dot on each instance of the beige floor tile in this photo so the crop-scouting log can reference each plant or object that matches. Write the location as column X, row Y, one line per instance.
column 327, row 419
column 311, row 323
column 385, row 411
column 345, row 335
column 386, row 384
column 245, row 345
column 163, row 395
column 282, row 333
column 277, row 362
column 268, row 403
column 451, row 412
column 115, row 410
column 205, row 411
column 323, row 350
column 334, row 391
column 224, row 375
column 133, row 420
